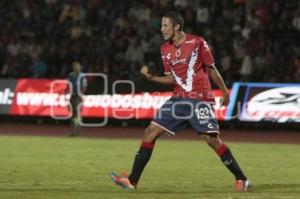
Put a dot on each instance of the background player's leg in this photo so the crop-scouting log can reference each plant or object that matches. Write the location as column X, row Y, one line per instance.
column 75, row 120
column 74, row 116
column 152, row 132
column 76, row 126
column 214, row 141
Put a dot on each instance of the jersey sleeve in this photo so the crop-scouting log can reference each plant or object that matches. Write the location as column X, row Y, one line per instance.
column 205, row 53
column 166, row 63
column 84, row 82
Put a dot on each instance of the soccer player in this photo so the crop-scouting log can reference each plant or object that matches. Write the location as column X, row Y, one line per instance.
column 188, row 64
column 76, row 79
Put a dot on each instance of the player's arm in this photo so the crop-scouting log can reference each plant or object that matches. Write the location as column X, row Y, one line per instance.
column 68, row 88
column 84, row 85
column 218, row 80
column 168, row 79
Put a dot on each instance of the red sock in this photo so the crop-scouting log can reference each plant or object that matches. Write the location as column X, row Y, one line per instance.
column 147, row 145
column 228, row 160
column 221, row 150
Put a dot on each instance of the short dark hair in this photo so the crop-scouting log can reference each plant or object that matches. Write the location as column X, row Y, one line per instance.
column 176, row 18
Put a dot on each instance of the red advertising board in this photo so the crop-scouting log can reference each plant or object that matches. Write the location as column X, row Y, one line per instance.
column 46, row 97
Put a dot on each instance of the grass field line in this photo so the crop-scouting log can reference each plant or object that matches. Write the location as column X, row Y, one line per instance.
column 258, row 197
column 252, row 197
column 40, row 183
column 173, row 182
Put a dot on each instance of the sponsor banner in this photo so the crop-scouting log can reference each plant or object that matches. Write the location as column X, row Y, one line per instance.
column 136, row 106
column 45, row 97
column 7, row 94
column 41, row 97
column 139, row 106
column 271, row 102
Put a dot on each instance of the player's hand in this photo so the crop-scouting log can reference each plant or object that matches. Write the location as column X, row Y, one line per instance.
column 145, row 71
column 226, row 98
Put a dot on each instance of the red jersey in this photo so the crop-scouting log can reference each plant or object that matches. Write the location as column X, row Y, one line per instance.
column 188, row 65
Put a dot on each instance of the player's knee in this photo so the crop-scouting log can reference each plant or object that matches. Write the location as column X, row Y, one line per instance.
column 213, row 141
column 151, row 133
column 210, row 141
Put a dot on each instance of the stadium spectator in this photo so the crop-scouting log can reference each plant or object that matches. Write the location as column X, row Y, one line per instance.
column 296, row 20
column 59, row 31
column 39, row 68
column 246, row 68
column 259, row 66
column 202, row 17
column 134, row 52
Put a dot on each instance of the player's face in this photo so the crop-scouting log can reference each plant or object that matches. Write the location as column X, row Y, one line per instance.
column 76, row 67
column 167, row 28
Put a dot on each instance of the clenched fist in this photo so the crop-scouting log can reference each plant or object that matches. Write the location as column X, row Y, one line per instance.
column 145, row 71
column 226, row 98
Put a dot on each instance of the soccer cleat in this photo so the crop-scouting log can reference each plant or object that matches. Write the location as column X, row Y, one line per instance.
column 243, row 185
column 122, row 181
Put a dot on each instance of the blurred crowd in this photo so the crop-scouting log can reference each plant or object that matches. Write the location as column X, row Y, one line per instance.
column 252, row 40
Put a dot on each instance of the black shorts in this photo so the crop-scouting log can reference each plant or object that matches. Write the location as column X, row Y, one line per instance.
column 75, row 102
column 178, row 113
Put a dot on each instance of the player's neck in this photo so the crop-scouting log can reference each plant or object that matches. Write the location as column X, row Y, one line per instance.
column 178, row 38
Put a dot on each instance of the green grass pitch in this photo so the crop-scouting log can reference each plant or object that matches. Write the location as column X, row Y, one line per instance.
column 56, row 167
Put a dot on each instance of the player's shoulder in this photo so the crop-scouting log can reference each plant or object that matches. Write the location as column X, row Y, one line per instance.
column 83, row 76
column 71, row 74
column 165, row 45
column 197, row 38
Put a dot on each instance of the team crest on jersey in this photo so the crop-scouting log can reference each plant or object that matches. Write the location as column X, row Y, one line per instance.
column 168, row 55
column 178, row 52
